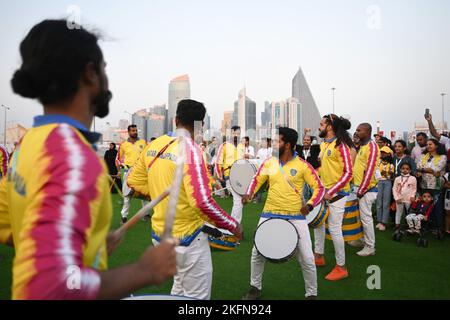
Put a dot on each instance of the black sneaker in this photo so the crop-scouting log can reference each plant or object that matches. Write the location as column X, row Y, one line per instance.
column 311, row 298
column 252, row 294
column 124, row 220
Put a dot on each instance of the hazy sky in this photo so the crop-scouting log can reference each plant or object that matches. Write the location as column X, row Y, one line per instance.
column 388, row 59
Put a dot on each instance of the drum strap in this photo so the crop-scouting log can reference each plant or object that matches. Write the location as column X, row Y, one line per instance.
column 160, row 153
column 288, row 181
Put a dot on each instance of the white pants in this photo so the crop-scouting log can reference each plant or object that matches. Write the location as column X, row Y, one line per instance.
column 365, row 211
column 335, row 218
column 304, row 256
column 399, row 213
column 126, row 206
column 415, row 220
column 236, row 212
column 194, row 269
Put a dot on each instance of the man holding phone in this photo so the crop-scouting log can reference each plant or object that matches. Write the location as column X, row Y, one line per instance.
column 441, row 138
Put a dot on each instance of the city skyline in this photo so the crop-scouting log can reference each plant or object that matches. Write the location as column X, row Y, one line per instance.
column 388, row 58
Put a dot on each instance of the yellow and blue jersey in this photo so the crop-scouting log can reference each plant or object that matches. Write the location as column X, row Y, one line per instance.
column 286, row 183
column 195, row 206
column 56, row 203
column 335, row 167
column 129, row 152
column 365, row 165
column 227, row 155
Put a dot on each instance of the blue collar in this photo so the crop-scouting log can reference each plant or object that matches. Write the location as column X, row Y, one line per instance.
column 92, row 137
column 330, row 140
column 294, row 156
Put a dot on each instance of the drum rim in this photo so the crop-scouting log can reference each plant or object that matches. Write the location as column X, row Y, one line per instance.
column 282, row 259
column 163, row 295
column 231, row 168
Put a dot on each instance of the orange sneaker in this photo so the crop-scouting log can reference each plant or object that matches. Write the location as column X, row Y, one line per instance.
column 319, row 260
column 338, row 273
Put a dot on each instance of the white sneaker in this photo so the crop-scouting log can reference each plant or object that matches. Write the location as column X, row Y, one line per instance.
column 382, row 227
column 367, row 251
column 378, row 226
column 356, row 243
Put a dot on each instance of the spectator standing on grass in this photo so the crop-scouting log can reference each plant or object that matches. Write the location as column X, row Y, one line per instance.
column 404, row 190
column 384, row 175
column 431, row 168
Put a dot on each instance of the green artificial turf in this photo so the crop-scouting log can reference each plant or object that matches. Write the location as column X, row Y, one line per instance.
column 407, row 271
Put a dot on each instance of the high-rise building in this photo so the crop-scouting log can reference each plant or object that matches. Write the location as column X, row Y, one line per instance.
column 227, row 121
column 287, row 113
column 159, row 110
column 140, row 120
column 245, row 114
column 266, row 115
column 155, row 126
column 279, row 114
column 207, row 122
column 294, row 109
column 179, row 89
column 123, row 124
column 310, row 113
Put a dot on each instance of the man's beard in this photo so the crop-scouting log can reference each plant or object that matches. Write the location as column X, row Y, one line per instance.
column 235, row 140
column 101, row 101
column 133, row 136
column 323, row 134
column 278, row 152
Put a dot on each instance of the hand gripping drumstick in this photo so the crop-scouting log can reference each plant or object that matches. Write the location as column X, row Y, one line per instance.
column 182, row 135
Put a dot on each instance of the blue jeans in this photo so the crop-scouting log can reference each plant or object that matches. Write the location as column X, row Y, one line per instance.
column 384, row 200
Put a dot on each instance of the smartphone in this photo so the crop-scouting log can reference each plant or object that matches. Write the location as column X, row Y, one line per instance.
column 427, row 112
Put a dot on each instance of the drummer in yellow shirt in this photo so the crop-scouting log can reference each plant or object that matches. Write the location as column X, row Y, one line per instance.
column 128, row 154
column 229, row 153
column 287, row 176
column 367, row 185
column 335, row 172
column 55, row 207
column 153, row 174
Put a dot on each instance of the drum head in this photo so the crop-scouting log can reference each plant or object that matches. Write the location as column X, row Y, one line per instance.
column 313, row 214
column 276, row 240
column 158, row 297
column 241, row 174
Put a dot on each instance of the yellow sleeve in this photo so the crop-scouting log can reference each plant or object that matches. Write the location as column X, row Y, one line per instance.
column 138, row 177
column 5, row 223
column 260, row 178
column 313, row 180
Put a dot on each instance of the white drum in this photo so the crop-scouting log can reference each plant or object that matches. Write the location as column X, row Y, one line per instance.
column 241, row 174
column 126, row 190
column 158, row 297
column 317, row 217
column 276, row 240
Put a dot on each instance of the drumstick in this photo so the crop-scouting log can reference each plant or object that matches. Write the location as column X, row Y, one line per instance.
column 112, row 184
column 115, row 186
column 142, row 213
column 217, row 191
column 182, row 135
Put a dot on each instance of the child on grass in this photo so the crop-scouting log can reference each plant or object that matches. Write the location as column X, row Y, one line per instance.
column 404, row 190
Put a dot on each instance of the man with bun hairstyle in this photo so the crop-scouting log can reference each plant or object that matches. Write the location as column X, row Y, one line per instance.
column 335, row 172
column 56, row 198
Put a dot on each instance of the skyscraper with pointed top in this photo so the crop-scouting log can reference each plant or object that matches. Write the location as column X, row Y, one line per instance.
column 310, row 114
